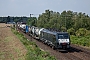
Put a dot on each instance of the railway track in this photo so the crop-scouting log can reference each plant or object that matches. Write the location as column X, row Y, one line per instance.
column 75, row 53
column 87, row 51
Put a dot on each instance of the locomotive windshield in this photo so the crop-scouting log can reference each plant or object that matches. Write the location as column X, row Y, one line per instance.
column 63, row 36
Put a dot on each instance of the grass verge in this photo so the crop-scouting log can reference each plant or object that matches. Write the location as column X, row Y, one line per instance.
column 34, row 52
column 83, row 40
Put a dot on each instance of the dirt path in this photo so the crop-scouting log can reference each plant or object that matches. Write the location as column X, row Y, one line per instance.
column 10, row 46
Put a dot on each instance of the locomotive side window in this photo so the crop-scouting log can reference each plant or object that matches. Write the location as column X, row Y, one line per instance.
column 54, row 38
column 50, row 37
column 42, row 34
column 45, row 35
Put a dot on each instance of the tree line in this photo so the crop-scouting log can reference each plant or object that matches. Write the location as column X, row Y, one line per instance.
column 13, row 19
column 73, row 22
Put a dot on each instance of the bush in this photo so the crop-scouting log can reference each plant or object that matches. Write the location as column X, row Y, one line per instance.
column 71, row 31
column 88, row 32
column 81, row 32
column 84, row 41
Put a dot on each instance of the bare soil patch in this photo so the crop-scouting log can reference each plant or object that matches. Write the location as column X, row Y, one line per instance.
column 10, row 46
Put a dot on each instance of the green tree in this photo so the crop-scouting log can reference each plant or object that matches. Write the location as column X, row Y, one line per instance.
column 32, row 21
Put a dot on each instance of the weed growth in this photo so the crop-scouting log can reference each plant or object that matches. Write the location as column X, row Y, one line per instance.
column 34, row 52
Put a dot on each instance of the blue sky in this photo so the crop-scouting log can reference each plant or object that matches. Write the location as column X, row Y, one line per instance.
column 36, row 7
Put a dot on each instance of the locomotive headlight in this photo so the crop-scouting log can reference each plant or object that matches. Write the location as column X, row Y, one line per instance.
column 68, row 43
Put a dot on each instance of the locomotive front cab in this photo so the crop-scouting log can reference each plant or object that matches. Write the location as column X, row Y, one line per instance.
column 64, row 40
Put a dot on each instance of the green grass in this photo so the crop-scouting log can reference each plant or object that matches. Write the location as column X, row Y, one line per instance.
column 83, row 40
column 34, row 52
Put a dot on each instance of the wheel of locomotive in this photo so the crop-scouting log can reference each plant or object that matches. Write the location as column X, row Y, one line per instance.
column 50, row 46
column 53, row 47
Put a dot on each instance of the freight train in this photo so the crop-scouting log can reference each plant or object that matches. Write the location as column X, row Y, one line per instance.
column 54, row 39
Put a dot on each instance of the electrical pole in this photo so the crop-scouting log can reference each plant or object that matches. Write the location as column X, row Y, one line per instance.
column 30, row 19
column 30, row 15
